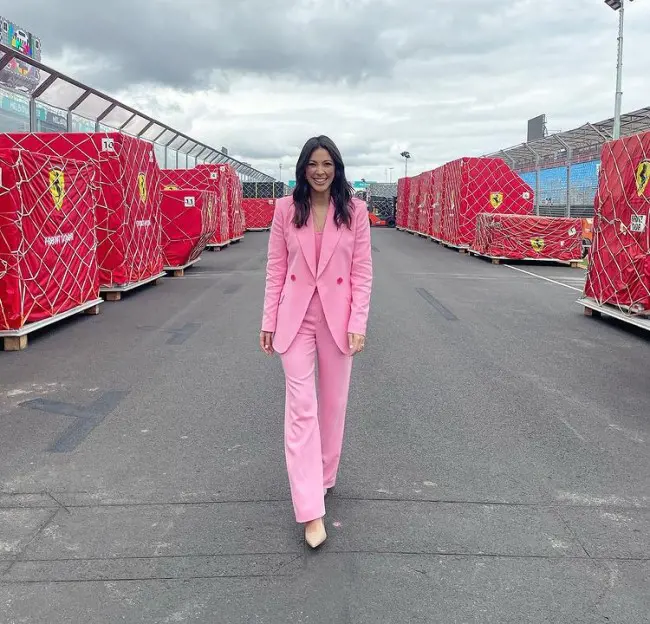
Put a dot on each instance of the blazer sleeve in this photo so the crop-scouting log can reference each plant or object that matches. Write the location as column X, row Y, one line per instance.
column 361, row 271
column 276, row 268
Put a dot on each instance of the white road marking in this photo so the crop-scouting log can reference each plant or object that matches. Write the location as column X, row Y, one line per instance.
column 615, row 501
column 547, row 279
column 572, row 429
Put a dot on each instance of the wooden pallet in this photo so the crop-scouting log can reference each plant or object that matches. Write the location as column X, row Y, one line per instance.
column 592, row 308
column 260, row 229
column 234, row 241
column 461, row 249
column 114, row 293
column 16, row 339
column 179, row 271
column 574, row 264
column 217, row 246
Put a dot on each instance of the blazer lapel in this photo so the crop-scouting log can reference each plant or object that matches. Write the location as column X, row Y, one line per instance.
column 305, row 236
column 331, row 237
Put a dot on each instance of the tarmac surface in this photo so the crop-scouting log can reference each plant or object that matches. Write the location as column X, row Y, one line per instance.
column 496, row 465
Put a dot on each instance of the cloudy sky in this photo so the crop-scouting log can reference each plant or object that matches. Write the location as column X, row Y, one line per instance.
column 440, row 78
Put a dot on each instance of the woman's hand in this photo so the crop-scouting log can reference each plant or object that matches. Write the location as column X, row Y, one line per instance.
column 357, row 343
column 266, row 342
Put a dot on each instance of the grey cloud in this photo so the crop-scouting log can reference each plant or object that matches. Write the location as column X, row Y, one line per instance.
column 182, row 43
column 195, row 43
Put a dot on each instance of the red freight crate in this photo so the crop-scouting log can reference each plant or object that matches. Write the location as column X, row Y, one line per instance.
column 204, row 178
column 476, row 185
column 258, row 213
column 128, row 198
column 425, row 213
column 619, row 268
column 528, row 237
column 48, row 239
column 189, row 220
column 436, row 199
column 414, row 203
column 233, row 186
column 420, row 226
column 402, row 209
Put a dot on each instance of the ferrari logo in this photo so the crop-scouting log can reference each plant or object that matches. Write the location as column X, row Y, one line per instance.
column 496, row 199
column 642, row 177
column 57, row 187
column 170, row 187
column 210, row 206
column 537, row 244
column 142, row 187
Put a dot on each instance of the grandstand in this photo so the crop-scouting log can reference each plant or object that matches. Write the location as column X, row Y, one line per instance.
column 62, row 104
column 563, row 167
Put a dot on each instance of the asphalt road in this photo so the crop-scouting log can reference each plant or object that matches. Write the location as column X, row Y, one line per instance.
column 495, row 469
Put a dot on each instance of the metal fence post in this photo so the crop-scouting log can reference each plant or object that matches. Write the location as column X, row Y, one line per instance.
column 568, row 181
column 33, row 122
column 569, row 157
column 537, row 172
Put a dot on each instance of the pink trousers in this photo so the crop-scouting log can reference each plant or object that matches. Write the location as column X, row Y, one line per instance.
column 314, row 421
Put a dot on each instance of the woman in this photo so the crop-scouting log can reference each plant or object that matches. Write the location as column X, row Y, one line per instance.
column 316, row 304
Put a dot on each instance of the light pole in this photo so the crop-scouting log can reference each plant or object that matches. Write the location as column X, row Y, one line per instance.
column 618, row 5
column 280, row 172
column 390, row 175
column 406, row 155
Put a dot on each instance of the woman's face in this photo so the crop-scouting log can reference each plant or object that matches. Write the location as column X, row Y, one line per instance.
column 320, row 170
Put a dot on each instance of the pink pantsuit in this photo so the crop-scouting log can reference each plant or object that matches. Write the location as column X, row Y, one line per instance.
column 317, row 291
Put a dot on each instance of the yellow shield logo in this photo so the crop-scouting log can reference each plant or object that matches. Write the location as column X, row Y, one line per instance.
column 171, row 187
column 537, row 244
column 496, row 199
column 57, row 187
column 142, row 187
column 642, row 177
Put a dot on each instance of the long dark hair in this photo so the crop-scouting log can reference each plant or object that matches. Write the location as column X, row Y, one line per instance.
column 341, row 190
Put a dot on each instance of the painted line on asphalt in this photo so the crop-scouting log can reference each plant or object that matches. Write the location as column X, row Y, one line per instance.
column 86, row 418
column 546, row 279
column 437, row 304
column 447, row 275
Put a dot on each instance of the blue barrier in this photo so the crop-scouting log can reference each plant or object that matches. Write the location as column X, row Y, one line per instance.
column 552, row 188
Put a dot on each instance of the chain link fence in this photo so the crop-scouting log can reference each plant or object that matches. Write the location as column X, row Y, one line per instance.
column 567, row 191
column 382, row 201
column 264, row 190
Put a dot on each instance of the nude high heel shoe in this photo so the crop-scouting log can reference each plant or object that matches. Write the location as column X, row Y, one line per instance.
column 315, row 533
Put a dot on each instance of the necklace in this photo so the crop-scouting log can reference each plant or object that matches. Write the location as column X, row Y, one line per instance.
column 320, row 216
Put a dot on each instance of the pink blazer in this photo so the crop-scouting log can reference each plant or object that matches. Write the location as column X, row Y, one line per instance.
column 343, row 278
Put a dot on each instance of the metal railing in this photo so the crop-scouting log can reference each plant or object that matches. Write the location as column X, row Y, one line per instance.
column 60, row 103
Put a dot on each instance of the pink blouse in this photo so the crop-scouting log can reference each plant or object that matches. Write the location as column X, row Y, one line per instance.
column 319, row 243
